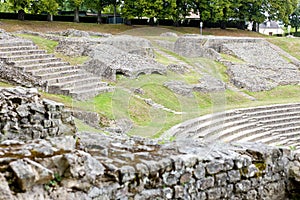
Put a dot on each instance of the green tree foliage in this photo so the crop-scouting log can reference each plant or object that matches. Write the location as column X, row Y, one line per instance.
column 295, row 18
column 20, row 6
column 50, row 7
column 75, row 4
column 281, row 9
column 97, row 5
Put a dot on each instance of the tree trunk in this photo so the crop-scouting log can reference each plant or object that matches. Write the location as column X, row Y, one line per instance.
column 296, row 29
column 76, row 15
column 21, row 14
column 176, row 23
column 151, row 21
column 254, row 26
column 115, row 14
column 49, row 17
column 223, row 25
column 241, row 25
column 127, row 22
column 99, row 17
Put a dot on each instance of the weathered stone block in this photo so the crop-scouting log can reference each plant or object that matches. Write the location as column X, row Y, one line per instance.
column 243, row 186
column 234, row 176
column 199, row 171
column 214, row 167
column 205, row 183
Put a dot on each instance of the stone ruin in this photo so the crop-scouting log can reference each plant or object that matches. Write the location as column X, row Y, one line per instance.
column 107, row 61
column 206, row 84
column 25, row 116
column 126, row 55
column 263, row 66
column 85, row 165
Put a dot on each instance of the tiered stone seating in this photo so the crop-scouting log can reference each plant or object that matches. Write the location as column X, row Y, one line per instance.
column 273, row 125
column 61, row 77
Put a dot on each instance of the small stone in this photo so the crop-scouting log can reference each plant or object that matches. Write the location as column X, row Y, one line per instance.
column 168, row 193
column 199, row 171
column 5, row 192
column 214, row 167
column 169, row 179
column 185, row 178
column 214, row 193
column 179, row 191
column 221, row 179
column 127, row 173
column 205, row 183
column 243, row 186
column 234, row 176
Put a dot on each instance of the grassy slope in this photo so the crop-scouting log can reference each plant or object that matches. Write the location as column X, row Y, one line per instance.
column 151, row 122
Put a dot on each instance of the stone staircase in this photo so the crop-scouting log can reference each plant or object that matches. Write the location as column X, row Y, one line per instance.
column 273, row 125
column 61, row 77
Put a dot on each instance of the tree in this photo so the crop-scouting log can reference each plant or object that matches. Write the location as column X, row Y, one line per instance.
column 131, row 9
column 50, row 7
column 97, row 5
column 181, row 10
column 76, row 5
column 19, row 6
column 114, row 3
column 281, row 9
column 295, row 18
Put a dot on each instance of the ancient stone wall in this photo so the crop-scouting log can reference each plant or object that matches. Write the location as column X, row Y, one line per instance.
column 193, row 46
column 96, row 166
column 24, row 116
column 10, row 74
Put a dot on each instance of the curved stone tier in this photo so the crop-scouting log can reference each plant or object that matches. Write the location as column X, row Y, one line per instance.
column 273, row 125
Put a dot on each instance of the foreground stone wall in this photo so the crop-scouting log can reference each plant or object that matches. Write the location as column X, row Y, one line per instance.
column 8, row 73
column 96, row 166
column 24, row 115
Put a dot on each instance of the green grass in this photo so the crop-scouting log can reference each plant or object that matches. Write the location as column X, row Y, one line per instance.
column 231, row 58
column 81, row 126
column 50, row 45
column 42, row 43
column 280, row 94
column 161, row 94
column 139, row 112
column 290, row 45
column 161, row 59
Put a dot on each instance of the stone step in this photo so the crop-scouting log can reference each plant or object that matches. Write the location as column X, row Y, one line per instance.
column 53, row 69
column 278, row 126
column 42, row 66
column 73, row 83
column 236, row 129
column 16, row 42
column 279, row 120
column 87, row 94
column 287, row 129
column 287, row 142
column 216, row 125
column 36, row 61
column 66, row 79
column 87, row 86
column 289, row 135
column 61, row 74
column 275, row 110
column 21, row 52
column 18, row 48
column 244, row 134
column 257, row 137
column 265, row 118
column 28, row 57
